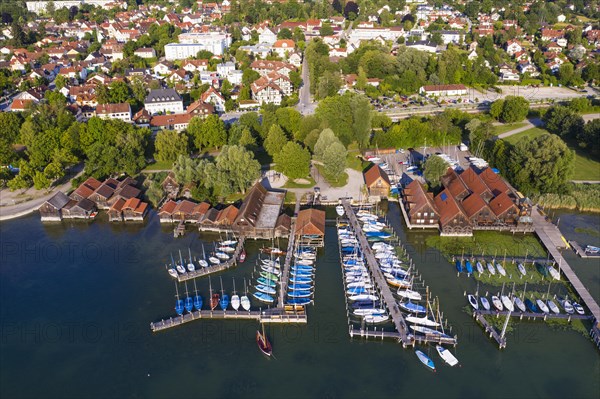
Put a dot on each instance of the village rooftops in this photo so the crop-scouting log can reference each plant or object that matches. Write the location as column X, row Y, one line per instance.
column 267, row 218
column 310, row 222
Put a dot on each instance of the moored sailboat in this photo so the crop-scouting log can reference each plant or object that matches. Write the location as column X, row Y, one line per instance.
column 235, row 298
column 263, row 342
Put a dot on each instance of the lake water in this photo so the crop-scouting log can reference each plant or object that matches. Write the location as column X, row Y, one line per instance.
column 77, row 299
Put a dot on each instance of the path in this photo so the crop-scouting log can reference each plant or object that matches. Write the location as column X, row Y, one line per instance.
column 8, row 212
column 305, row 105
column 551, row 236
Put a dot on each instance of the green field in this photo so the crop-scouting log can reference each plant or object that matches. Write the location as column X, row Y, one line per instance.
column 158, row 165
column 340, row 182
column 499, row 129
column 586, row 167
column 353, row 161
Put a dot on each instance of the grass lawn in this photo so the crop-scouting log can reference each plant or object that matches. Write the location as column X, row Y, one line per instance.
column 352, row 159
column 340, row 182
column 499, row 129
column 489, row 243
column 529, row 133
column 586, row 167
column 292, row 184
column 234, row 197
column 290, row 197
column 158, row 165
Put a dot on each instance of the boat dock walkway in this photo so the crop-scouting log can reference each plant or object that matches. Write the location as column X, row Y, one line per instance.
column 366, row 333
column 205, row 271
column 489, row 329
column 532, row 315
column 403, row 334
column 265, row 316
column 581, row 252
column 552, row 238
column 289, row 257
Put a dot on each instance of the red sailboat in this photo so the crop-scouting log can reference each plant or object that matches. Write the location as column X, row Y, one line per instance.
column 263, row 342
column 214, row 298
column 242, row 256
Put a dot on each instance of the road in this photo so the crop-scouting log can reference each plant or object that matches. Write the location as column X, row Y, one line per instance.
column 305, row 105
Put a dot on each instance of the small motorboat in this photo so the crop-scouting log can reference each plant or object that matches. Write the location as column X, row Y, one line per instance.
column 497, row 303
column 229, row 242
column 473, row 301
column 567, row 306
column 339, row 210
column 446, row 355
column 553, row 306
column 491, row 269
column 508, row 304
column 578, row 308
column 485, row 303
column 542, row 306
column 522, row 269
column 425, row 360
column 500, row 269
column 479, row 267
column 519, row 304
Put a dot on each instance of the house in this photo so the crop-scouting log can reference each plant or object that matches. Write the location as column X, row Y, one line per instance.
column 267, row 36
column 259, row 212
column 183, row 211
column 271, row 88
column 51, row 209
column 424, row 45
column 145, row 52
column 283, row 47
column 475, row 184
column 115, row 213
column 212, row 96
column 264, row 67
column 511, row 75
column 453, row 220
column 85, row 189
column 444, row 90
column 170, row 186
column 163, row 101
column 309, row 228
column 420, row 209
column 200, row 108
column 494, row 182
column 162, row 68
column 195, row 65
column 176, row 122
column 227, row 216
column 134, row 209
column 377, row 181
column 505, row 209
column 477, row 211
column 513, row 47
column 165, row 213
column 120, row 111
column 102, row 195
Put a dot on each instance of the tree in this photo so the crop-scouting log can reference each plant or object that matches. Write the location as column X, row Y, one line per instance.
column 329, row 84
column 563, row 121
column 541, row 165
column 249, row 76
column 361, row 119
column 326, row 139
column 289, row 119
column 60, row 81
column 434, row 168
column 247, row 139
column 514, row 109
column 496, row 109
column 11, row 125
column 566, row 73
column 334, row 160
column 237, row 167
column 169, row 144
column 326, row 29
column 208, row 133
column 284, row 33
column 275, row 141
column 293, row 161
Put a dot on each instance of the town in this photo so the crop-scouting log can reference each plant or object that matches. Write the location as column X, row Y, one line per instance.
column 235, row 138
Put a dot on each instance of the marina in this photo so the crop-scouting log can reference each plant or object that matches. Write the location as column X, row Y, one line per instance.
column 584, row 252
column 211, row 269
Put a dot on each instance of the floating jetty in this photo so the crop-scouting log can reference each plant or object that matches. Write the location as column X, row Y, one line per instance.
column 263, row 316
column 489, row 329
column 289, row 256
column 581, row 251
column 205, row 271
column 381, row 334
column 535, row 316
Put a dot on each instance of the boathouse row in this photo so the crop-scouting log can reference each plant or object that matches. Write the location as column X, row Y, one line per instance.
column 259, row 215
column 471, row 200
column 120, row 198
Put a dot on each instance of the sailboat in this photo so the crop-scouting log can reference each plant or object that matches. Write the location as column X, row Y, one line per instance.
column 190, row 265
column 567, row 306
column 519, row 303
column 459, row 267
column 500, row 269
column 242, row 256
column 446, row 355
column 469, row 267
column 485, row 303
column 522, row 269
column 554, row 273
column 410, row 294
column 235, row 298
column 172, row 272
column 497, row 303
column 197, row 298
column 202, row 262
column 491, row 269
column 189, row 302
column 412, row 307
column 263, row 342
column 543, row 307
column 178, row 302
column 553, row 306
column 425, row 360
column 244, row 300
column 214, row 298
column 473, row 301
column 508, row 304
column 479, row 267
column 180, row 265
column 224, row 301
column 424, row 321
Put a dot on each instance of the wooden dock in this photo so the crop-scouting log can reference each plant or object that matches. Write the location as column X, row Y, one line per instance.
column 581, row 252
column 179, row 230
column 403, row 333
column 489, row 329
column 205, row 271
column 381, row 334
column 535, row 316
column 552, row 238
column 264, row 316
column 289, row 257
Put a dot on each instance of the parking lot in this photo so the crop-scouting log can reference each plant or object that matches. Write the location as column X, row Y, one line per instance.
column 401, row 165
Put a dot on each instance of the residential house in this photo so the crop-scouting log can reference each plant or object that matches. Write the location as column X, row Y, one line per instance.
column 309, row 228
column 283, row 47
column 120, row 111
column 200, row 108
column 134, row 209
column 82, row 209
column 212, row 96
column 145, row 52
column 176, row 122
column 195, row 65
column 163, row 101
column 419, row 206
column 513, row 47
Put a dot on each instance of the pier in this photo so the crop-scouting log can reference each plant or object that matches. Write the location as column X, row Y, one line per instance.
column 205, row 271
column 552, row 239
column 289, row 256
column 489, row 329
column 404, row 335
column 381, row 334
column 264, row 316
column 535, row 316
column 581, row 252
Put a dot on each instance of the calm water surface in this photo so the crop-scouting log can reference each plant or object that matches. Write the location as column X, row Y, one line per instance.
column 76, row 301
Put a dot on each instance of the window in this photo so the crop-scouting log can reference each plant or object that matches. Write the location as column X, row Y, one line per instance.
column 425, row 214
column 419, row 214
column 431, row 221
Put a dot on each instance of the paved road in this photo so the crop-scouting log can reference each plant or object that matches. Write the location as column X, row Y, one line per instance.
column 305, row 105
column 24, row 208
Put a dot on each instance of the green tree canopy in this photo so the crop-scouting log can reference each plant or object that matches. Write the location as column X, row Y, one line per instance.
column 169, row 144
column 275, row 140
column 433, row 169
column 326, row 139
column 293, row 161
column 334, row 160
column 208, row 133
